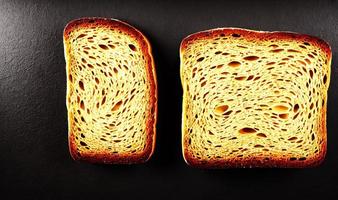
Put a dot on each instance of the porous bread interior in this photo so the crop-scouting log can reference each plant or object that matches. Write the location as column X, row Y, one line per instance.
column 248, row 99
column 108, row 91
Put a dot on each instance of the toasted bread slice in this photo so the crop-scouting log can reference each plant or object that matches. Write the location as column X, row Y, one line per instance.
column 111, row 92
column 254, row 99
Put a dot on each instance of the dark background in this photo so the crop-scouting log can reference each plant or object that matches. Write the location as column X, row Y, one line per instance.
column 34, row 158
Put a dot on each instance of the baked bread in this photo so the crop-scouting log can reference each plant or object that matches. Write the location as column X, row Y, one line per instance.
column 111, row 92
column 254, row 99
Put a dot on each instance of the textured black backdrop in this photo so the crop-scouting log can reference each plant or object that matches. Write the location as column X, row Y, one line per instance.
column 34, row 158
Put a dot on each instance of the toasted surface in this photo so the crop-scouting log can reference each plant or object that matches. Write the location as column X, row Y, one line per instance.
column 254, row 99
column 111, row 92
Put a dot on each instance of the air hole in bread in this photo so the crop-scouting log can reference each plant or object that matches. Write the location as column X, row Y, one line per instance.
column 302, row 159
column 302, row 46
column 111, row 46
column 117, row 106
column 311, row 106
column 221, row 109
column 276, row 50
column 292, row 138
column 293, row 159
column 102, row 46
column 82, row 106
column 250, row 78
column 83, row 60
column 311, row 73
column 200, row 59
column 228, row 113
column 293, row 51
column 83, row 143
column 97, row 80
column 325, row 79
column 90, row 66
column 70, row 78
column 280, row 108
column 271, row 63
column 81, row 85
column 311, row 56
column 236, row 35
column 240, row 78
column 273, row 46
column 247, row 130
column 234, row 64
column 241, row 46
column 103, row 100
column 307, row 61
column 283, row 116
column 295, row 108
column 296, row 115
column 299, row 141
column 261, row 135
column 81, row 36
column 82, row 119
column 132, row 47
column 218, row 52
column 258, row 146
column 251, row 58
column 258, row 77
column 115, row 70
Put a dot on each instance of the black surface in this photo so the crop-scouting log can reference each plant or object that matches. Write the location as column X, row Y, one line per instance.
column 34, row 158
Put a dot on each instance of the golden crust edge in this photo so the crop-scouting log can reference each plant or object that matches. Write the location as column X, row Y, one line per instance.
column 103, row 157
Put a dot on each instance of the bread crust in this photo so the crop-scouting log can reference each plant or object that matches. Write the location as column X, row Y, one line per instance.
column 105, row 156
column 276, row 161
column 257, row 35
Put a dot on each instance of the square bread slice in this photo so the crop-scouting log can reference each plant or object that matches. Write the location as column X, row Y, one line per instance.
column 254, row 99
column 111, row 92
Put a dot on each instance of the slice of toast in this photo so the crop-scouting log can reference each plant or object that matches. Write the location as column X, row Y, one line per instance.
column 254, row 99
column 111, row 92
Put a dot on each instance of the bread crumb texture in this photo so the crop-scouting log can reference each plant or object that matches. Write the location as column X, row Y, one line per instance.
column 254, row 99
column 111, row 96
